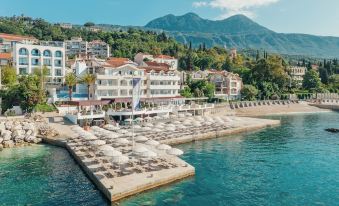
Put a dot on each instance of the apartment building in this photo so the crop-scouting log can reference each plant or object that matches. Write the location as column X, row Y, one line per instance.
column 27, row 57
column 227, row 84
column 297, row 74
column 78, row 47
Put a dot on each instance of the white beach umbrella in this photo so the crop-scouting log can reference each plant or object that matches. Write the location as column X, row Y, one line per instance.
column 157, row 117
column 171, row 129
column 146, row 128
column 121, row 159
column 188, row 115
column 122, row 131
column 128, row 120
column 163, row 147
column 148, row 125
column 137, row 127
column 181, row 115
column 170, row 125
column 149, row 154
column 148, row 118
column 129, row 134
column 152, row 142
column 159, row 126
column 123, row 141
column 157, row 130
column 175, row 151
column 97, row 142
column 139, row 149
column 173, row 116
column 141, row 139
column 106, row 148
column 139, row 119
column 176, row 122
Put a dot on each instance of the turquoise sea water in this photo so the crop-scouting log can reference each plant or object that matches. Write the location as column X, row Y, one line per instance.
column 44, row 175
column 296, row 163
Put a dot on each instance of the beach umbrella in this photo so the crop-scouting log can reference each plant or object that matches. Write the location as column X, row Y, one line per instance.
column 90, row 137
column 139, row 149
column 121, row 159
column 97, row 142
column 106, row 148
column 176, row 122
column 157, row 117
column 146, row 128
column 149, row 154
column 171, row 129
column 139, row 119
column 163, row 147
column 173, row 116
column 122, row 141
column 148, row 118
column 188, row 114
column 181, row 115
column 141, row 139
column 157, row 130
column 122, row 131
column 148, row 125
column 137, row 127
column 128, row 120
column 152, row 142
column 175, row 151
column 159, row 126
column 129, row 134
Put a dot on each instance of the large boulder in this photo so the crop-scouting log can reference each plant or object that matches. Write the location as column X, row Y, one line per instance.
column 6, row 135
column 30, row 139
column 1, row 140
column 18, row 132
column 37, row 140
column 8, row 144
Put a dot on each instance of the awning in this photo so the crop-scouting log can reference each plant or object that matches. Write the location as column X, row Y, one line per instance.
column 89, row 102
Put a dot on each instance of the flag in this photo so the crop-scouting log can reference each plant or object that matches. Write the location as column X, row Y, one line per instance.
column 136, row 93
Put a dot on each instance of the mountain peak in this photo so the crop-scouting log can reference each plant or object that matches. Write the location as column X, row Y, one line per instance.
column 191, row 22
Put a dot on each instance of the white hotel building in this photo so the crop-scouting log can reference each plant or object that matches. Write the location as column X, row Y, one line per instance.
column 28, row 57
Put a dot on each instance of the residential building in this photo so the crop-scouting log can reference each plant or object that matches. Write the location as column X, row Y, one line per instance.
column 66, row 25
column 27, row 57
column 7, row 41
column 98, row 48
column 172, row 62
column 227, row 84
column 77, row 47
column 297, row 74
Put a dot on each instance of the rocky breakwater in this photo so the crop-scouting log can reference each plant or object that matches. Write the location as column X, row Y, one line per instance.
column 23, row 132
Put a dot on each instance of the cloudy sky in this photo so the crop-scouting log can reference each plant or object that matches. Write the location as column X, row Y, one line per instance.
column 319, row 17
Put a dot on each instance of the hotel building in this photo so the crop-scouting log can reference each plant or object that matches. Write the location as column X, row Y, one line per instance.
column 297, row 74
column 77, row 47
column 27, row 57
column 141, row 58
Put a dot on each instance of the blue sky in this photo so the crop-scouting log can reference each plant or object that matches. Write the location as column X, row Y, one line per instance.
column 288, row 16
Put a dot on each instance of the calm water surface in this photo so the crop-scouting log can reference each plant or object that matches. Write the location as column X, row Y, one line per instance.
column 44, row 175
column 296, row 163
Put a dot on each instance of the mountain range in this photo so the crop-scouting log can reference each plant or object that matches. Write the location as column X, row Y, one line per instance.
column 243, row 33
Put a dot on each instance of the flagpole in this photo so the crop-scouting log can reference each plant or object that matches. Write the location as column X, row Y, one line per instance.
column 133, row 112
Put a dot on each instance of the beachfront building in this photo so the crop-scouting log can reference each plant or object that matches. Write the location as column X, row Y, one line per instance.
column 227, row 84
column 5, row 59
column 297, row 74
column 142, row 58
column 7, row 41
column 27, row 57
column 78, row 47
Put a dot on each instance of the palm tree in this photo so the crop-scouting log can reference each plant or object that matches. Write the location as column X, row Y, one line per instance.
column 88, row 79
column 71, row 81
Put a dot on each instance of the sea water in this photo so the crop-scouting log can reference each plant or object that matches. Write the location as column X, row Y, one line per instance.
column 296, row 163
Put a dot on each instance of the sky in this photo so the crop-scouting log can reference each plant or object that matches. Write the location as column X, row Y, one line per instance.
column 319, row 17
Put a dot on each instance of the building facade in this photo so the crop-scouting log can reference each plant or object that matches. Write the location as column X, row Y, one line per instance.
column 77, row 47
column 27, row 57
column 297, row 74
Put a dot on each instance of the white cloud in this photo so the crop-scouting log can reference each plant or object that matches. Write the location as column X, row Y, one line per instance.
column 232, row 7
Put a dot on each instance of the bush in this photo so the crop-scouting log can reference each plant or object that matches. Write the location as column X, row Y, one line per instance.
column 44, row 108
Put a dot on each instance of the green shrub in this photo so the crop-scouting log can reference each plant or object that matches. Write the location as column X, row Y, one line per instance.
column 44, row 108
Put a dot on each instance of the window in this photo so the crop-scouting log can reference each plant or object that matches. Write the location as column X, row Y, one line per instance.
column 57, row 63
column 47, row 62
column 58, row 72
column 22, row 71
column 35, row 62
column 35, row 52
column 233, row 84
column 23, row 61
column 58, row 54
column 47, row 53
column 23, row 51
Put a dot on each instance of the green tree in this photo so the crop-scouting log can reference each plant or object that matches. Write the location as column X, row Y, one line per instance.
column 186, row 92
column 70, row 81
column 89, row 80
column 312, row 81
column 8, row 76
column 249, row 92
column 89, row 24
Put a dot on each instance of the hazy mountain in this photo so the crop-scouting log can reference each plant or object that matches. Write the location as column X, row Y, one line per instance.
column 241, row 32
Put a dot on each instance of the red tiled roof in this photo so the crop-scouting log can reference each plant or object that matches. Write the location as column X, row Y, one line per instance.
column 163, row 57
column 13, row 37
column 117, row 62
column 156, row 64
column 155, row 69
column 5, row 55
